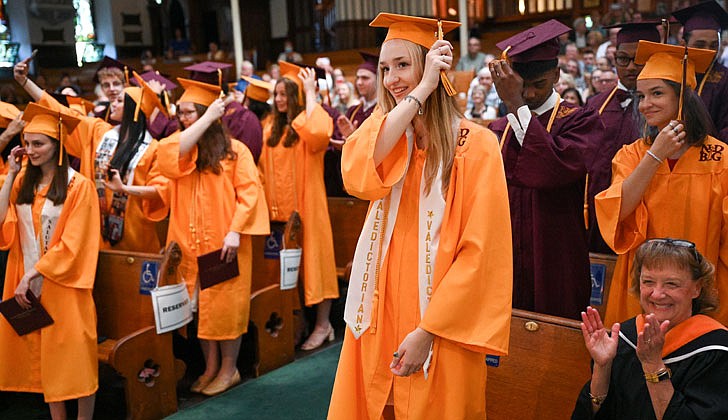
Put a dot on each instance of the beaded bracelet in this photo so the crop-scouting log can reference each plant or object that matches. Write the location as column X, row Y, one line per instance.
column 419, row 104
column 597, row 400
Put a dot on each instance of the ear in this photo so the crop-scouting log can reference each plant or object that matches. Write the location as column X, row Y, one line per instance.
column 697, row 287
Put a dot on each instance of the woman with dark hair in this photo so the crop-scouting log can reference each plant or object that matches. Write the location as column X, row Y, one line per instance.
column 292, row 163
column 48, row 212
column 673, row 181
column 216, row 201
column 572, row 96
column 431, row 282
column 671, row 360
column 122, row 162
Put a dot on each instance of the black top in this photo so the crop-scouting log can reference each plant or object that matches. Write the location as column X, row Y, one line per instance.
column 699, row 372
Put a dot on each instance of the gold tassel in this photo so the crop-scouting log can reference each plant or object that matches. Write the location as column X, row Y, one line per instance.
column 504, row 54
column 126, row 75
column 586, row 202
column 665, row 30
column 138, row 107
column 60, row 139
column 681, row 99
column 166, row 102
column 449, row 88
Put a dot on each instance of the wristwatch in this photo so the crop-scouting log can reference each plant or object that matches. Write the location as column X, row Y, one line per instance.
column 661, row 375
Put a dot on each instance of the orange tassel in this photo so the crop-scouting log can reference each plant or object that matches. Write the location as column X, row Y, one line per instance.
column 449, row 88
column 60, row 139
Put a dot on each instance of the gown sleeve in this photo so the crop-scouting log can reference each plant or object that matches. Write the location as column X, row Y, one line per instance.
column 548, row 161
column 171, row 164
column 315, row 131
column 632, row 231
column 155, row 209
column 361, row 177
column 251, row 211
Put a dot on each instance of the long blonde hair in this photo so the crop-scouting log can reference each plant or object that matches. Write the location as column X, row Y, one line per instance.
column 440, row 111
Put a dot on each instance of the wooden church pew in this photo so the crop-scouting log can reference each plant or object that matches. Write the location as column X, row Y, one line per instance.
column 126, row 320
column 542, row 375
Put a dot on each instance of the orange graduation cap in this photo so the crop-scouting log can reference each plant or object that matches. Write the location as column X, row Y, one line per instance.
column 198, row 92
column 54, row 124
column 84, row 106
column 674, row 63
column 8, row 112
column 290, row 72
column 257, row 89
column 664, row 61
column 421, row 31
column 146, row 99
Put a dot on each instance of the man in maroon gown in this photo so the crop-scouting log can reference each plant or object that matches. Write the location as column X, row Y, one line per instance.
column 618, row 111
column 546, row 145
column 702, row 24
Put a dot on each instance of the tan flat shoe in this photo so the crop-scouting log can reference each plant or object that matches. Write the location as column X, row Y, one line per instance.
column 317, row 338
column 201, row 383
column 220, row 385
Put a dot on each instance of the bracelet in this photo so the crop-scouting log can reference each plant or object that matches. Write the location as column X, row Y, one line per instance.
column 661, row 375
column 419, row 104
column 24, row 83
column 597, row 400
column 654, row 156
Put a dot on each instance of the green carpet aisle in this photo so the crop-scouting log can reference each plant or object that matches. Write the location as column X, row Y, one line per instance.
column 299, row 390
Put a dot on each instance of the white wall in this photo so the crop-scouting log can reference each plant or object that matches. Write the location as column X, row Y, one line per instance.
column 48, row 15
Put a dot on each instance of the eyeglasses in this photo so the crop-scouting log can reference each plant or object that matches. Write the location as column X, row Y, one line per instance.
column 600, row 80
column 677, row 242
column 623, row 60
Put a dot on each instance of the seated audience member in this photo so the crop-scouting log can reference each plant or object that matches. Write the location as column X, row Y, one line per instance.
column 607, row 81
column 474, row 60
column 565, row 81
column 480, row 110
column 345, row 97
column 670, row 361
column 672, row 182
column 572, row 96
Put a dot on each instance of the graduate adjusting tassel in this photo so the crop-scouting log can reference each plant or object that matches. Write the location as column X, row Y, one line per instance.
column 449, row 88
column 504, row 54
column 681, row 99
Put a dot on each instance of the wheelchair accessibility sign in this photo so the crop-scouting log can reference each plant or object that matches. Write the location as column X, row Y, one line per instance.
column 148, row 277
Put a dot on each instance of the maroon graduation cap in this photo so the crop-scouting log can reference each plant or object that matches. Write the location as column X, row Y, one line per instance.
column 155, row 75
column 704, row 15
column 636, row 31
column 371, row 62
column 109, row 62
column 211, row 72
column 536, row 44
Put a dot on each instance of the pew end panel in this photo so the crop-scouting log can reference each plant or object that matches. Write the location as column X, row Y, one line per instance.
column 542, row 375
column 131, row 345
column 271, row 312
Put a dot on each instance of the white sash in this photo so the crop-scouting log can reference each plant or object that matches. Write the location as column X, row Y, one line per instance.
column 371, row 249
column 32, row 243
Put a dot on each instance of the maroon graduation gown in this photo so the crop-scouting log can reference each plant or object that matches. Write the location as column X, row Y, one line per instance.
column 545, row 180
column 620, row 128
column 714, row 94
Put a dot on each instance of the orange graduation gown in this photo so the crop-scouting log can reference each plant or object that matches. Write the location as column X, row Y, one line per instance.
column 688, row 202
column 60, row 360
column 140, row 233
column 294, row 180
column 470, row 307
column 204, row 207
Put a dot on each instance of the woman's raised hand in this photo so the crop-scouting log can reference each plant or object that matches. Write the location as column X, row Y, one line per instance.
column 15, row 160
column 669, row 140
column 601, row 346
column 438, row 58
column 215, row 110
column 308, row 76
column 651, row 340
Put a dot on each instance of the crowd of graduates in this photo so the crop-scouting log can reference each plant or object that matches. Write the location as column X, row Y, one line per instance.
column 503, row 216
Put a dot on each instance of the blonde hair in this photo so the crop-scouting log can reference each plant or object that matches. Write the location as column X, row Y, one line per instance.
column 440, row 111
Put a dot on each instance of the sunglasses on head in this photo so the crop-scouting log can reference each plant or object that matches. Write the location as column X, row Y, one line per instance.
column 677, row 242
